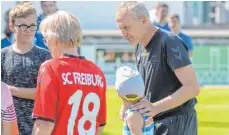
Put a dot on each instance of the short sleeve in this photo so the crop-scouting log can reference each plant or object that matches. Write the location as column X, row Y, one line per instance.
column 7, row 107
column 46, row 94
column 189, row 44
column 2, row 63
column 103, row 108
column 176, row 53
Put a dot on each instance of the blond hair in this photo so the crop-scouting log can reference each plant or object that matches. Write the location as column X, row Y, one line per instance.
column 62, row 26
column 21, row 10
column 137, row 9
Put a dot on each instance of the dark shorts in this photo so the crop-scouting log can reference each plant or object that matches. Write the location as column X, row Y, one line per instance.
column 182, row 124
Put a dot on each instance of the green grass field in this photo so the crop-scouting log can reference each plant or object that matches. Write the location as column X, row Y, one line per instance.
column 212, row 108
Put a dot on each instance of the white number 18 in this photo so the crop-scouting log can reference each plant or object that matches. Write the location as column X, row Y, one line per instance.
column 88, row 115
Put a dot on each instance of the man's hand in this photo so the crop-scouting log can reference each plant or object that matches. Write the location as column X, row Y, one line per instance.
column 145, row 107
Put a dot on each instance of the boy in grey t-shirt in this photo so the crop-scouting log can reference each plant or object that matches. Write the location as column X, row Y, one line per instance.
column 20, row 71
column 20, row 63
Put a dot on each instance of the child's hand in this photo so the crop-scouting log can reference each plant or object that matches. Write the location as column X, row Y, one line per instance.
column 122, row 112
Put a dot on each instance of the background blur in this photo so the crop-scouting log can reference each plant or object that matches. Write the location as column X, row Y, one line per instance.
column 206, row 22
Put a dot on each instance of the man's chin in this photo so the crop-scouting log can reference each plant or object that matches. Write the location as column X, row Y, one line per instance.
column 133, row 43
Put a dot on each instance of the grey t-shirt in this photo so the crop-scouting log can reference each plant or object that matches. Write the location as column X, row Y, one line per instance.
column 156, row 62
column 20, row 70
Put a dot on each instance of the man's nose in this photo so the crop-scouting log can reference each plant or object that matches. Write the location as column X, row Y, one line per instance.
column 123, row 34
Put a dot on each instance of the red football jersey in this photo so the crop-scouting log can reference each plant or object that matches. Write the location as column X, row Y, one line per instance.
column 71, row 92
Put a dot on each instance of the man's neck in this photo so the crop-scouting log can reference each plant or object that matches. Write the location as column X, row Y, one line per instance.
column 22, row 47
column 44, row 15
column 160, row 21
column 151, row 30
column 176, row 31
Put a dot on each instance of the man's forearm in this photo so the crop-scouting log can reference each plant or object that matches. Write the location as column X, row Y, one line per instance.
column 27, row 93
column 179, row 97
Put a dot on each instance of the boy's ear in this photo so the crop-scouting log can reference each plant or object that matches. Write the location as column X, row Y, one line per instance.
column 11, row 26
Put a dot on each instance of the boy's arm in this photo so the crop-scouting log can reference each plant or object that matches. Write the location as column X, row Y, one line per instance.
column 135, row 123
column 9, row 128
column 103, row 108
column 100, row 130
column 42, row 127
column 27, row 93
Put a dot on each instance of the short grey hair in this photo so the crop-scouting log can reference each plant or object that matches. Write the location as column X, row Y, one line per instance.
column 63, row 26
column 137, row 9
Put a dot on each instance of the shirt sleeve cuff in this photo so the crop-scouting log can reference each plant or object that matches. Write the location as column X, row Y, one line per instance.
column 35, row 117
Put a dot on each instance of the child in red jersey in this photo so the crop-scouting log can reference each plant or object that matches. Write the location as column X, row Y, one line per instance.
column 71, row 91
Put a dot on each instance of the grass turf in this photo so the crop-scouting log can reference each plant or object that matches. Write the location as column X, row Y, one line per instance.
column 212, row 109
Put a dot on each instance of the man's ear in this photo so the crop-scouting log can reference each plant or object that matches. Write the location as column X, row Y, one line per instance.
column 144, row 19
column 11, row 26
